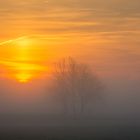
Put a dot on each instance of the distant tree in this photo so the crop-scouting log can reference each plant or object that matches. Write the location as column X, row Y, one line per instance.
column 75, row 86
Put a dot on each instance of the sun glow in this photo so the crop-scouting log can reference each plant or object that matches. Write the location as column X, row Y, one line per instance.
column 26, row 71
column 19, row 61
column 23, row 42
column 23, row 77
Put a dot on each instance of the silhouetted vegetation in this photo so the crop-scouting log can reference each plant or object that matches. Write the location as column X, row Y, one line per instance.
column 75, row 86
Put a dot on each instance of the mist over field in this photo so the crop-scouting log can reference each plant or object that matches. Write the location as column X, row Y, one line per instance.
column 117, row 100
column 52, row 109
column 69, row 69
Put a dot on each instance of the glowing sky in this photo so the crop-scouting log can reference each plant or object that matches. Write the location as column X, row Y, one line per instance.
column 102, row 33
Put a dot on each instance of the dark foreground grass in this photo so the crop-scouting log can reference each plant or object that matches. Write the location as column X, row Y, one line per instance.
column 72, row 129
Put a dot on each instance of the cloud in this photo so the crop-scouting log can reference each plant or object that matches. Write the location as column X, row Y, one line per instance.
column 110, row 20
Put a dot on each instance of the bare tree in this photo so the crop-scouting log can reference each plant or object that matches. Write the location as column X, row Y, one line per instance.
column 75, row 85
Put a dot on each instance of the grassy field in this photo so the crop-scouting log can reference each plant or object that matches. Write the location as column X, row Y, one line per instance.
column 51, row 129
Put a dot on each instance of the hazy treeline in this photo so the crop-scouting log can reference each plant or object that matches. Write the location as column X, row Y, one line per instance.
column 75, row 87
column 72, row 90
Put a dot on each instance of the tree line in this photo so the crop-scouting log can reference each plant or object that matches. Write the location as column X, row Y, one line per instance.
column 75, row 86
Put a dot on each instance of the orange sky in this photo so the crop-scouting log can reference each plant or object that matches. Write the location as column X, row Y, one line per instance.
column 36, row 33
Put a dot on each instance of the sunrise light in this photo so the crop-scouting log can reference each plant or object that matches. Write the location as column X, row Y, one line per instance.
column 20, row 63
column 23, row 42
column 69, row 69
column 23, row 77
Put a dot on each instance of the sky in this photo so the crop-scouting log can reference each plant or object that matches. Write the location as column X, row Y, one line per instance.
column 105, row 34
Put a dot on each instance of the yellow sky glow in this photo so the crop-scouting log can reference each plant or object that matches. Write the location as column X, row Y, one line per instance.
column 36, row 33
column 18, row 65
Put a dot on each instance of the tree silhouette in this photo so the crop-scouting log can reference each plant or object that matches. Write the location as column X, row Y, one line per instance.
column 75, row 86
